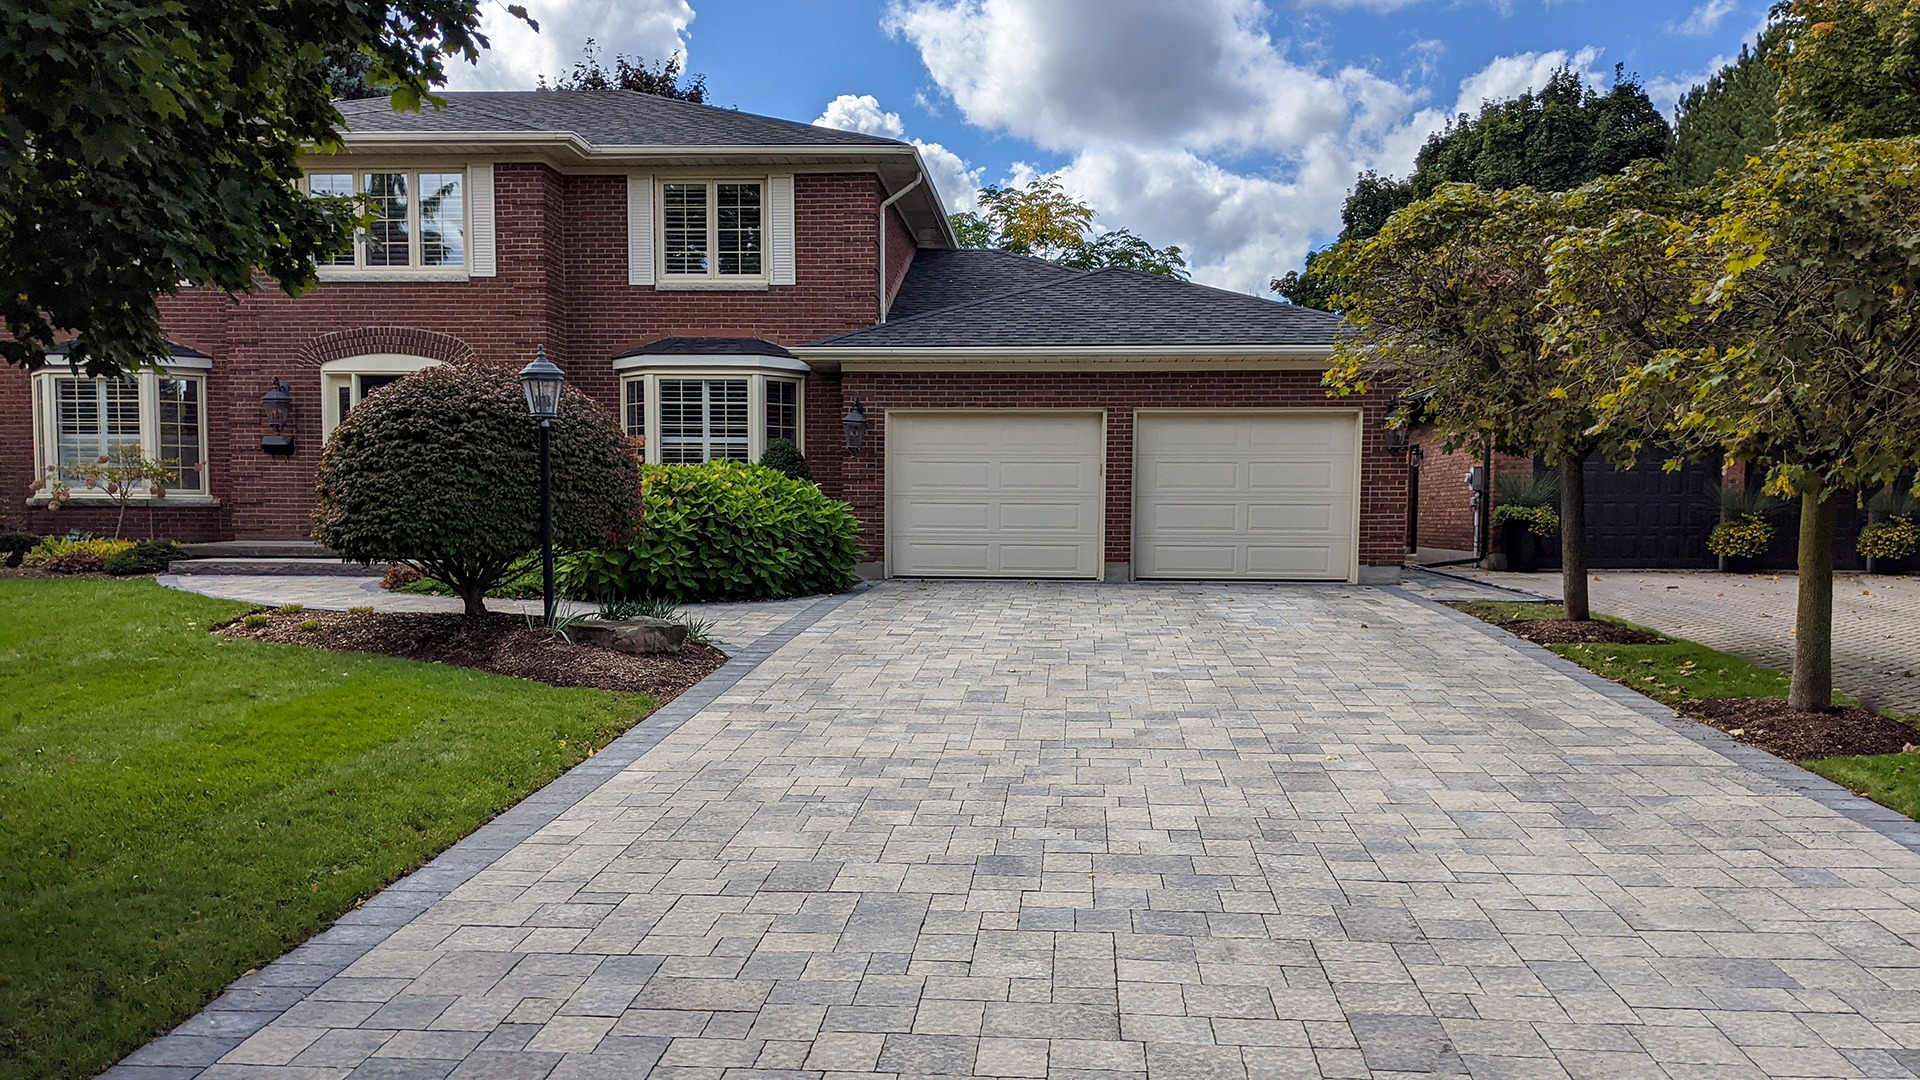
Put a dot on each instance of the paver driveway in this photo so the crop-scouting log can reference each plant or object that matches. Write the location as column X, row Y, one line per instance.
column 1087, row 831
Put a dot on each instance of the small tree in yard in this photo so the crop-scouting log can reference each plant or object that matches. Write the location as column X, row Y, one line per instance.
column 440, row 472
column 1450, row 298
column 123, row 472
column 1806, row 287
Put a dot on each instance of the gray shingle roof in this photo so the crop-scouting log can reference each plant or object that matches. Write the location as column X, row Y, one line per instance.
column 1105, row 307
column 601, row 117
column 707, row 346
column 174, row 349
column 943, row 277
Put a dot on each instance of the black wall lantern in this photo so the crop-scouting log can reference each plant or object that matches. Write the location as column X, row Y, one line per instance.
column 1399, row 419
column 855, row 423
column 276, row 412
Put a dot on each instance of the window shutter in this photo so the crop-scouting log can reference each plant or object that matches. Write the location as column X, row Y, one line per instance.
column 481, row 260
column 780, row 268
column 639, row 229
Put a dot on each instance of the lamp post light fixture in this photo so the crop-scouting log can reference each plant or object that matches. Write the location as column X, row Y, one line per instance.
column 276, row 412
column 855, row 423
column 541, row 381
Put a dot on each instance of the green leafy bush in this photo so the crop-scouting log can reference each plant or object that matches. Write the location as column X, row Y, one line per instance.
column 14, row 547
column 1895, row 538
column 523, row 584
column 1527, row 489
column 785, row 458
column 440, row 471
column 58, row 551
column 725, row 530
column 1746, row 537
column 145, row 557
column 1539, row 520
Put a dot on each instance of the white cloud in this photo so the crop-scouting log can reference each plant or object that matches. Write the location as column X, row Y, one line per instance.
column 1189, row 123
column 1707, row 17
column 654, row 29
column 948, row 172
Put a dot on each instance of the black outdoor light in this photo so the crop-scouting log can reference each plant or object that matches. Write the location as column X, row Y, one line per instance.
column 1399, row 418
column 276, row 412
column 541, row 380
column 855, row 423
column 1416, row 457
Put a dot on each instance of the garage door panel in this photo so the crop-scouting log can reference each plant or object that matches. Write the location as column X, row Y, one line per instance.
column 994, row 494
column 1275, row 495
column 1309, row 476
column 1055, row 516
column 1065, row 477
column 1305, row 561
column 1317, row 520
column 1195, row 516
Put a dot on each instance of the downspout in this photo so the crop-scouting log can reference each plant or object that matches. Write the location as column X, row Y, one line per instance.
column 884, row 207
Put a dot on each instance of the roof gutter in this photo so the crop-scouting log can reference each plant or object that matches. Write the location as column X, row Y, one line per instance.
column 884, row 207
column 825, row 349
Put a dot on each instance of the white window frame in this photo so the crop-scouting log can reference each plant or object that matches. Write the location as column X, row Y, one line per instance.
column 756, row 379
column 46, row 430
column 712, row 278
column 346, row 373
column 413, row 271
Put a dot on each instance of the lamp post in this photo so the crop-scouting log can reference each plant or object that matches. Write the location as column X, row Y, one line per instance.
column 541, row 380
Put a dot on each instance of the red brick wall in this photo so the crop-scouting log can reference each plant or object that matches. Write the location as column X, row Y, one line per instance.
column 1383, row 480
column 562, row 282
column 900, row 249
column 1446, row 503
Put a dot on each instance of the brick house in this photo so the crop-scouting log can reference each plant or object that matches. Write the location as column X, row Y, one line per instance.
column 720, row 280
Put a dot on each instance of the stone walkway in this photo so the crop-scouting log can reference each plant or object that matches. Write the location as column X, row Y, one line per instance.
column 1086, row 831
column 734, row 625
column 1876, row 620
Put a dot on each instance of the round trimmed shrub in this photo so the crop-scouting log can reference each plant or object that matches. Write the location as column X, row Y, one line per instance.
column 785, row 458
column 145, row 557
column 441, row 472
column 725, row 530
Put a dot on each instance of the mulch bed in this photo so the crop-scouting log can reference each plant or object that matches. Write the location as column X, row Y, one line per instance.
column 1580, row 632
column 1771, row 725
column 500, row 644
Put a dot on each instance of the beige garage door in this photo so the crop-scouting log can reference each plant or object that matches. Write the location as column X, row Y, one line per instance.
column 1245, row 495
column 994, row 494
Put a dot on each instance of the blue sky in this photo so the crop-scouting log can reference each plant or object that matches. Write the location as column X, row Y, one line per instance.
column 1230, row 127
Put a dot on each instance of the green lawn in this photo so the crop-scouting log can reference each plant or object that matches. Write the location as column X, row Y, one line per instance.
column 176, row 808
column 1679, row 671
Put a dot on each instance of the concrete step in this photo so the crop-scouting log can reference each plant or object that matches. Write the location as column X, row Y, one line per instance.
column 258, row 549
column 256, row 567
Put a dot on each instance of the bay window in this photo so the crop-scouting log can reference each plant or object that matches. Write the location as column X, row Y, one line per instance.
column 161, row 415
column 419, row 218
column 690, row 416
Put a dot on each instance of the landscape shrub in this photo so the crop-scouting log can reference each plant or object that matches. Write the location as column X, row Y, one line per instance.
column 1896, row 538
column 440, row 472
column 145, row 557
column 62, row 549
column 76, row 562
column 14, row 547
column 1528, row 499
column 1747, row 537
column 1539, row 520
column 399, row 577
column 785, row 458
column 725, row 530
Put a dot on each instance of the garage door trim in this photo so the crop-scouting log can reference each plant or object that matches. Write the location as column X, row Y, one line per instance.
column 1357, row 416
column 890, row 494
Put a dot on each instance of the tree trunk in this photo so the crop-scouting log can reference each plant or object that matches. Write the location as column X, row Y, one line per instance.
column 1573, row 535
column 474, row 597
column 1813, row 628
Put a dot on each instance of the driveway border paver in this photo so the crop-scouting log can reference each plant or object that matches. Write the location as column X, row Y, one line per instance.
column 253, row 1001
column 1891, row 824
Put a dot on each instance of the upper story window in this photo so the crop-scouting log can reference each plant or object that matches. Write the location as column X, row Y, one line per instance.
column 713, row 230
column 420, row 218
column 78, row 421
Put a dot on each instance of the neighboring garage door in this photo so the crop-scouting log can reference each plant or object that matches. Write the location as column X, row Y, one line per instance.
column 994, row 494
column 1245, row 495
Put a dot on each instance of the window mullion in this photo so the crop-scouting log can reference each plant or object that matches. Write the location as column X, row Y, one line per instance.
column 149, row 418
column 756, row 417
column 713, row 229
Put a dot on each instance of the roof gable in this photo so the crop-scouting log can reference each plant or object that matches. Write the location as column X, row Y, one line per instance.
column 1113, row 307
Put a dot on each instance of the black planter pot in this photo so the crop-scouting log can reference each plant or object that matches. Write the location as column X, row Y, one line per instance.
column 1743, row 564
column 1522, row 546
